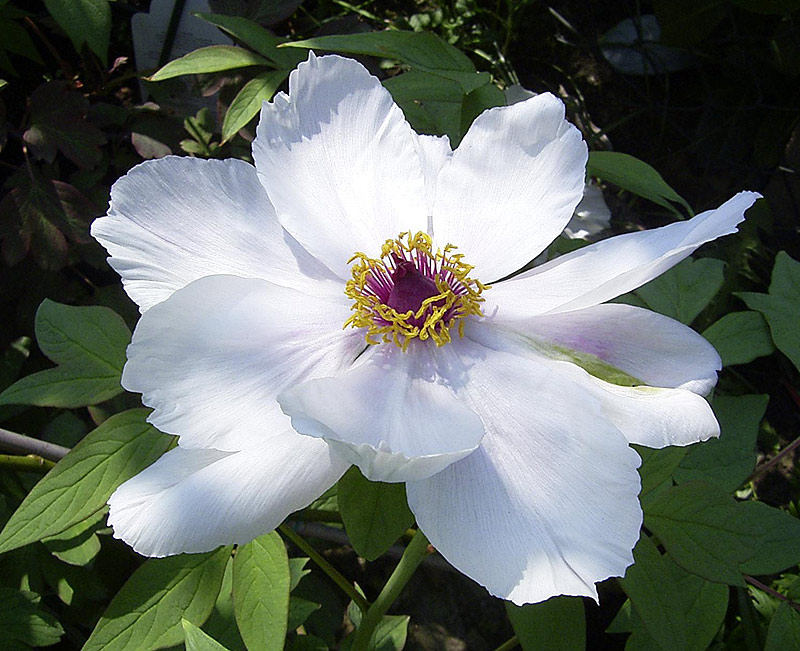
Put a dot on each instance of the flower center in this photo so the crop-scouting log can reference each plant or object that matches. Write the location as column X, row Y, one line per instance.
column 412, row 292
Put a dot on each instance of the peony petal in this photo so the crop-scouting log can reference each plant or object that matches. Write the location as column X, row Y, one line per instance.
column 339, row 162
column 394, row 414
column 652, row 348
column 194, row 500
column 548, row 504
column 602, row 271
column 174, row 220
column 651, row 416
column 511, row 186
column 434, row 153
column 211, row 358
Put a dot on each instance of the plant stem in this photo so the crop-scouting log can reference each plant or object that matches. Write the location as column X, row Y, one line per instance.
column 771, row 592
column 30, row 463
column 415, row 553
column 509, row 644
column 326, row 567
column 14, row 442
column 772, row 462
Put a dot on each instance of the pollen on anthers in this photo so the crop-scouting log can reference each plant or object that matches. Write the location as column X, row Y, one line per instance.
column 412, row 292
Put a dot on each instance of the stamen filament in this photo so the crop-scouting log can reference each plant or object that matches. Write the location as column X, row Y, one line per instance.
column 411, row 260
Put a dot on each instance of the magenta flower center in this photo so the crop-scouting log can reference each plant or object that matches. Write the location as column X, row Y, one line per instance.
column 412, row 292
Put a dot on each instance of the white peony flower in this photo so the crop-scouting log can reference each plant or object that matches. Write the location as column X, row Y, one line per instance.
column 486, row 396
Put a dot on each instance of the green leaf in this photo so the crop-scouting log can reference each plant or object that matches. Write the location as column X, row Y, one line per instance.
column 784, row 630
column 390, row 633
column 698, row 524
column 81, row 483
column 84, row 21
column 261, row 592
column 781, row 307
column 728, row 460
column 430, row 103
column 421, row 50
column 88, row 344
column 375, row 514
column 477, row 101
column 635, row 176
column 299, row 611
column 777, row 540
column 656, row 597
column 700, row 607
column 214, row 58
column 558, row 624
column 683, row 291
column 297, row 570
column 708, row 533
column 197, row 640
column 78, row 545
column 247, row 103
column 21, row 620
column 147, row 612
column 740, row 337
column 657, row 468
column 258, row 38
column 221, row 624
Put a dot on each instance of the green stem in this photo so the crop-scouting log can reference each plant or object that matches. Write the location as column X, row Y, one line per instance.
column 29, row 463
column 414, row 554
column 512, row 643
column 326, row 567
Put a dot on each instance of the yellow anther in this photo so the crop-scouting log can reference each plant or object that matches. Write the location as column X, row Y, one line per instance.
column 458, row 296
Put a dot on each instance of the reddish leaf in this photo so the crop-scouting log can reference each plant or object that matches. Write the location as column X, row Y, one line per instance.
column 58, row 122
column 41, row 216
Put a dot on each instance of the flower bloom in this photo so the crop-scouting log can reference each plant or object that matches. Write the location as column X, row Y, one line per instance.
column 345, row 301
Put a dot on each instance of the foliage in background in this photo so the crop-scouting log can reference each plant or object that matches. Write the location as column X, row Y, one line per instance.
column 705, row 91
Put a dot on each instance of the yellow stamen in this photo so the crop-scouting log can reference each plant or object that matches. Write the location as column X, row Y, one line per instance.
column 459, row 295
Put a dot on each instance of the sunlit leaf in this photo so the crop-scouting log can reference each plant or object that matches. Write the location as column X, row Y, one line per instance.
column 214, row 58
column 247, row 103
column 261, row 584
column 635, row 176
column 423, row 51
column 84, row 21
column 82, row 481
column 88, row 344
column 78, row 545
column 258, row 38
column 147, row 612
column 197, row 640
